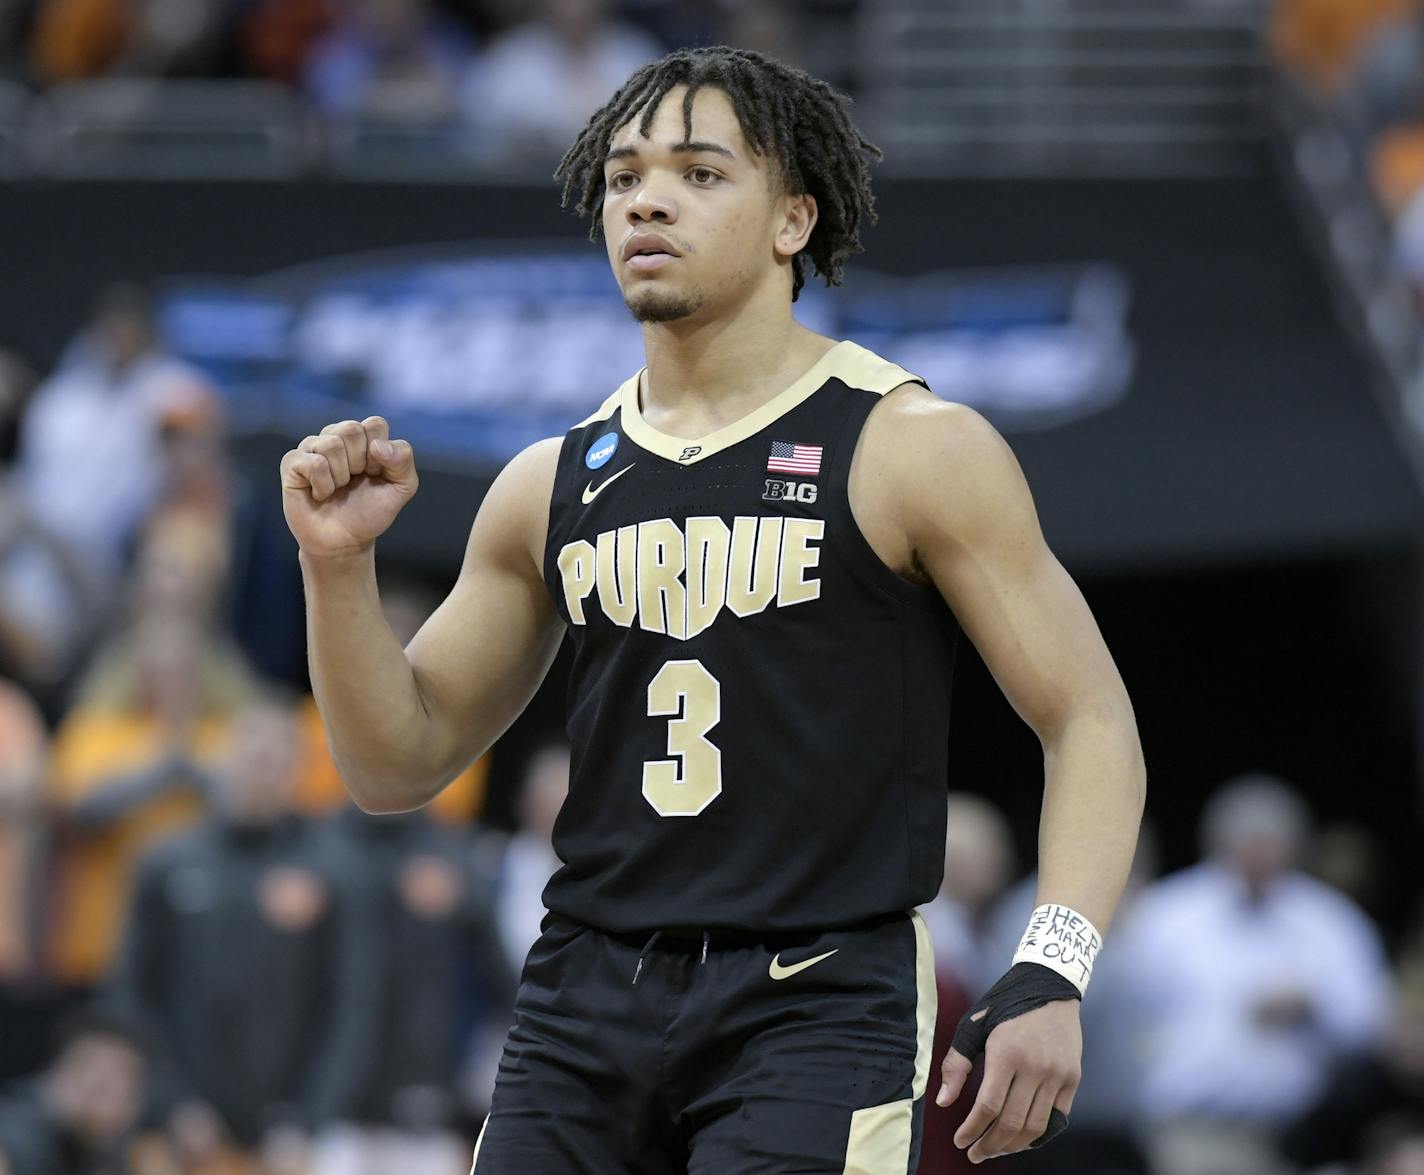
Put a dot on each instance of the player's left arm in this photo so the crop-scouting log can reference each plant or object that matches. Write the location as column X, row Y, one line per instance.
column 948, row 503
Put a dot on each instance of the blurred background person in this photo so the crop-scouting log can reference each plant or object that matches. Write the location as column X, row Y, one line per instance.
column 80, row 1115
column 90, row 462
column 533, row 89
column 1370, row 1095
column 152, row 713
column 979, row 861
column 252, row 956
column 528, row 859
column 444, row 981
column 72, row 39
column 1258, row 979
column 388, row 61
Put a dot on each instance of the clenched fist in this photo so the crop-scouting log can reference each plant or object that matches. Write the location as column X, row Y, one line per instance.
column 342, row 490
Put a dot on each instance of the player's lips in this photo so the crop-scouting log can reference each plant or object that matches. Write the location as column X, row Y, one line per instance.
column 647, row 251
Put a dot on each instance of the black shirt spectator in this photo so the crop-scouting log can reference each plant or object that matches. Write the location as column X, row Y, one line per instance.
column 444, row 969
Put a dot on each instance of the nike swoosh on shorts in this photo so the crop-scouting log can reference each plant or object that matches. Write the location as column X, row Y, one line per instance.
column 777, row 971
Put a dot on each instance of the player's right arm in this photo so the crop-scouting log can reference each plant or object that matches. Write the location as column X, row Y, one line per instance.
column 402, row 723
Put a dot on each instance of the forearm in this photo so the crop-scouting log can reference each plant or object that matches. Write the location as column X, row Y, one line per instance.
column 379, row 731
column 1094, row 787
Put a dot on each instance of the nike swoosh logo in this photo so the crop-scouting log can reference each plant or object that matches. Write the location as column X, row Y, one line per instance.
column 591, row 493
column 779, row 972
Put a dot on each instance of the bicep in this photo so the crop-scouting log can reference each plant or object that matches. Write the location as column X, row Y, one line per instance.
column 481, row 655
column 977, row 535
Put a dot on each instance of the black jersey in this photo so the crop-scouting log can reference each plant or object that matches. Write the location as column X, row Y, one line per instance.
column 758, row 706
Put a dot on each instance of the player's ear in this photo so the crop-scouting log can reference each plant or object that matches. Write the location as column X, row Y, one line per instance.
column 798, row 218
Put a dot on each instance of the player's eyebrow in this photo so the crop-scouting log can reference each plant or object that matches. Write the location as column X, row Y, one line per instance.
column 688, row 146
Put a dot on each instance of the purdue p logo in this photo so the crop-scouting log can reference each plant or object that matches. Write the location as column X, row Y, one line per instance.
column 690, row 452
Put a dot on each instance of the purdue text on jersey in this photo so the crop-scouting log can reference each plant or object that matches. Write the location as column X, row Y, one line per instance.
column 677, row 580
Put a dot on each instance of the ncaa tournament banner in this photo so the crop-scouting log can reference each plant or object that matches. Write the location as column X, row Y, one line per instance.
column 474, row 352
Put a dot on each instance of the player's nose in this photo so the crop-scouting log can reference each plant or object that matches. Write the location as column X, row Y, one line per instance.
column 651, row 204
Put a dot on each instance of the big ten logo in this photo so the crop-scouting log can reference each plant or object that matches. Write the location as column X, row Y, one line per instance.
column 789, row 491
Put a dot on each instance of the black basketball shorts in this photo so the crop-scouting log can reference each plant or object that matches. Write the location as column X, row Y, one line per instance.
column 729, row 1055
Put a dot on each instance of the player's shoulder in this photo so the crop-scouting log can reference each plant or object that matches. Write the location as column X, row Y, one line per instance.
column 939, row 452
column 915, row 420
column 531, row 471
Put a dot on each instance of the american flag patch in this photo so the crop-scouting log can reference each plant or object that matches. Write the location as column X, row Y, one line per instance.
column 788, row 458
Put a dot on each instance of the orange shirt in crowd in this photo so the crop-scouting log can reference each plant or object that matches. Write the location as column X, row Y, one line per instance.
column 91, row 871
column 1320, row 40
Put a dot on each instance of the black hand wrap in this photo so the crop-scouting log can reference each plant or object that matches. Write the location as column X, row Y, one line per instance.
column 1024, row 987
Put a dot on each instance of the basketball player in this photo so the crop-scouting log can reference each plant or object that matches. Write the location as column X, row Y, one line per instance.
column 762, row 546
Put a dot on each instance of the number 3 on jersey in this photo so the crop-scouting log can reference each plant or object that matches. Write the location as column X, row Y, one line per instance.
column 691, row 699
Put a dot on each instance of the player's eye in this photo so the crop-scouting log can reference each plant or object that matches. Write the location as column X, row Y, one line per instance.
column 621, row 181
column 703, row 176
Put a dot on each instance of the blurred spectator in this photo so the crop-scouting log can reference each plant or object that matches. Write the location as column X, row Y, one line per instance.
column 406, row 605
column 1366, row 1093
column 252, row 956
column 47, row 599
column 529, row 859
column 1258, row 980
column 1107, row 1107
column 91, row 451
column 276, row 37
column 79, row 1116
column 388, row 61
column 1385, row 84
column 1319, row 41
column 766, row 27
column 145, row 38
column 535, row 88
column 50, row 600
column 444, row 976
column 152, row 713
column 978, row 863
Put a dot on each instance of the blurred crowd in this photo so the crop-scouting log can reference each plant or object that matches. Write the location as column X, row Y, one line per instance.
column 211, row 963
column 1361, row 64
column 508, row 79
column 1244, row 1017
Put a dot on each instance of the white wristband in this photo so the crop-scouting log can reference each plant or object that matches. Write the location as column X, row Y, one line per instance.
column 1063, row 941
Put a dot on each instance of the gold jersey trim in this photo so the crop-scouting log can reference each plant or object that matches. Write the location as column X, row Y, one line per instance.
column 852, row 364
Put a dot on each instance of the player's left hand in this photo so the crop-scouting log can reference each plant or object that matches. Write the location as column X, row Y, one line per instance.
column 1031, row 1067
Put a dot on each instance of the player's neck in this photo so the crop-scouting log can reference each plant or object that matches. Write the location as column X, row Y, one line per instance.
column 704, row 375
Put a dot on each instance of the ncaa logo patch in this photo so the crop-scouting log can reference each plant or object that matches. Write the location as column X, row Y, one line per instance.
column 602, row 451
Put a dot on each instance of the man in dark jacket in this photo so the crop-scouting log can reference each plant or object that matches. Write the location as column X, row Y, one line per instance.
column 252, row 954
column 444, row 977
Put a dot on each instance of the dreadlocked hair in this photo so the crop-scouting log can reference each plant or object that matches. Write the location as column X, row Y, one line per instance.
column 797, row 121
